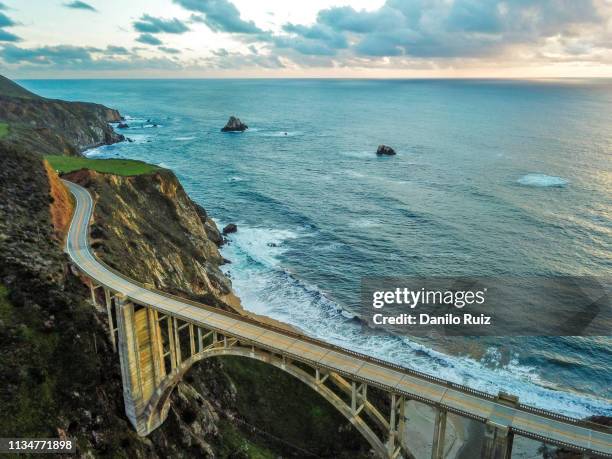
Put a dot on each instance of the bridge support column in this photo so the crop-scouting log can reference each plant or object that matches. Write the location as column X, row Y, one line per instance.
column 130, row 371
column 497, row 443
column 437, row 447
column 141, row 364
column 109, row 313
column 395, row 440
column 92, row 290
column 358, row 397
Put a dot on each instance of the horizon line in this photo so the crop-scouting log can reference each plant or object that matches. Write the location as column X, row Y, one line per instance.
column 510, row 78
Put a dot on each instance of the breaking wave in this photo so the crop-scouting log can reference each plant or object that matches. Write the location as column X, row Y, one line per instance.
column 542, row 180
column 267, row 288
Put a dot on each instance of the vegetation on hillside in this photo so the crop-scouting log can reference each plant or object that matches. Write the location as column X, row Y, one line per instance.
column 125, row 167
column 4, row 130
column 51, row 126
column 59, row 373
column 11, row 89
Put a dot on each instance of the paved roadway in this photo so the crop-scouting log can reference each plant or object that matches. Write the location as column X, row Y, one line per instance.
column 530, row 422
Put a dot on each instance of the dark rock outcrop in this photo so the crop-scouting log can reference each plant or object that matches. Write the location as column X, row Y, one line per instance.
column 231, row 228
column 234, row 125
column 385, row 150
column 123, row 126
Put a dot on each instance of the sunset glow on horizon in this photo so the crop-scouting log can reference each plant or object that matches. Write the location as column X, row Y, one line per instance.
column 320, row 38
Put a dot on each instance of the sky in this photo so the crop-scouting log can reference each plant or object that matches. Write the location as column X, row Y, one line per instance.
column 299, row 38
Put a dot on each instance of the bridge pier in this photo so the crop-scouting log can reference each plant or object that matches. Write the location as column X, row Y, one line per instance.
column 497, row 443
column 141, row 362
column 109, row 313
column 397, row 417
column 437, row 447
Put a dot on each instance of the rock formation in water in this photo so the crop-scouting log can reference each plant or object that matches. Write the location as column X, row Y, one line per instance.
column 234, row 125
column 231, row 228
column 385, row 150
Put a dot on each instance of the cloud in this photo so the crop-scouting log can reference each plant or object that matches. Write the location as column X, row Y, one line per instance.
column 148, row 39
column 399, row 34
column 45, row 55
column 318, row 39
column 168, row 50
column 117, row 50
column 462, row 28
column 219, row 16
column 5, row 21
column 224, row 59
column 82, row 58
column 7, row 36
column 151, row 25
column 78, row 5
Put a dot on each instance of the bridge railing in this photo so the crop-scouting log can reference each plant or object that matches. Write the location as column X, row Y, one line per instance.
column 367, row 358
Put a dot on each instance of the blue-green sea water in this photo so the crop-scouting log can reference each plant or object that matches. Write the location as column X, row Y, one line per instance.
column 491, row 178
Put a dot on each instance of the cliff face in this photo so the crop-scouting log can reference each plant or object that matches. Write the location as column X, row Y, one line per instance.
column 59, row 374
column 147, row 227
column 50, row 126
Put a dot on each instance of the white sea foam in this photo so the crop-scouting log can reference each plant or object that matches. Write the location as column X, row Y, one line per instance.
column 137, row 138
column 235, row 178
column 354, row 174
column 184, row 139
column 281, row 134
column 367, row 222
column 359, row 154
column 266, row 288
column 542, row 180
column 102, row 150
column 263, row 245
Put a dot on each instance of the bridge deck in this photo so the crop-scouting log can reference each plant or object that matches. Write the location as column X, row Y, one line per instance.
column 542, row 426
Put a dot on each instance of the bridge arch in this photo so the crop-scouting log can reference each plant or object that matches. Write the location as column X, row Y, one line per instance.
column 158, row 406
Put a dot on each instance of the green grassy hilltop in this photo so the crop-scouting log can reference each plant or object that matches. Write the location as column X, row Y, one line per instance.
column 126, row 167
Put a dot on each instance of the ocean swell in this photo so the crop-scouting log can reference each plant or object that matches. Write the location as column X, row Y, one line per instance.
column 265, row 287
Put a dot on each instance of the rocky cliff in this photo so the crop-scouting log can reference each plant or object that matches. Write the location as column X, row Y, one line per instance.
column 169, row 240
column 59, row 375
column 50, row 126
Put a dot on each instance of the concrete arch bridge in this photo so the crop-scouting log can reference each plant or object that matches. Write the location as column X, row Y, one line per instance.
column 158, row 337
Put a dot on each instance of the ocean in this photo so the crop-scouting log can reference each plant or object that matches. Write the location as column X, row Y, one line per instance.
column 492, row 178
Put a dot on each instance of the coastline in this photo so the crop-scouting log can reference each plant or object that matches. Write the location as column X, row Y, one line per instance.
column 550, row 393
column 463, row 438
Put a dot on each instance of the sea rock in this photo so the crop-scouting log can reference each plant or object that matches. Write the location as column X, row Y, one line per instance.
column 123, row 126
column 385, row 150
column 234, row 125
column 231, row 228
